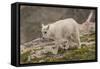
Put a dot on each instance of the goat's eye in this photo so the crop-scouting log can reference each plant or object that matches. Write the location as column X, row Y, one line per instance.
column 45, row 32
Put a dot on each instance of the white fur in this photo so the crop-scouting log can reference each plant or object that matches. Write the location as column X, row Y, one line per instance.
column 62, row 30
column 87, row 27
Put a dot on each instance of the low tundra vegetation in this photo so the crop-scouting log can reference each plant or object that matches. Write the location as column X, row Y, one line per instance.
column 86, row 52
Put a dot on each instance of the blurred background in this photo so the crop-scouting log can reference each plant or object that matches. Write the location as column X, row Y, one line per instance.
column 31, row 18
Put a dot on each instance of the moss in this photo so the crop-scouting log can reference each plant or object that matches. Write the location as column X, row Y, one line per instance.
column 53, row 59
column 61, row 51
column 83, row 39
column 24, row 57
column 84, row 53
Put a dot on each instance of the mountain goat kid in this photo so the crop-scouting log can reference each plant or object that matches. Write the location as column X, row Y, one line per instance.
column 65, row 33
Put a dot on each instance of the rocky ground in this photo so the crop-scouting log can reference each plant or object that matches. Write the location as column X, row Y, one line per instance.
column 38, row 50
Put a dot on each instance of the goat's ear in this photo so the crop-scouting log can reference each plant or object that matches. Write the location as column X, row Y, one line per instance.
column 42, row 25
